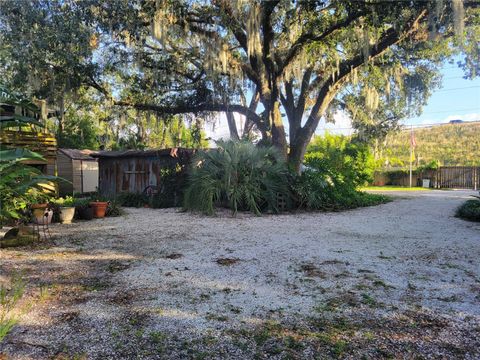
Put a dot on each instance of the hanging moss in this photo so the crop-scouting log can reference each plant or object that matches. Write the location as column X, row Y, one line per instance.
column 253, row 30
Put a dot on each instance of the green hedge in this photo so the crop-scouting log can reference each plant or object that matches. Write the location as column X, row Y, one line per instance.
column 470, row 210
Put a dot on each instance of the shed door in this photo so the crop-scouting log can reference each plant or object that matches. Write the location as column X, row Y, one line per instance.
column 90, row 176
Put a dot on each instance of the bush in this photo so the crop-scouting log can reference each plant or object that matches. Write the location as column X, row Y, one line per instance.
column 114, row 208
column 316, row 191
column 335, row 167
column 128, row 199
column 345, row 162
column 312, row 190
column 237, row 175
column 470, row 210
column 169, row 193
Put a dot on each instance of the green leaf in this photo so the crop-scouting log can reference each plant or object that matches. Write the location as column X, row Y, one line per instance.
column 18, row 154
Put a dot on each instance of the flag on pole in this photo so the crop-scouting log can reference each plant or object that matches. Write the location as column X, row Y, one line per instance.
column 413, row 144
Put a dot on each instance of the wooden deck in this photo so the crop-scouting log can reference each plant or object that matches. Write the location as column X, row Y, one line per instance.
column 40, row 142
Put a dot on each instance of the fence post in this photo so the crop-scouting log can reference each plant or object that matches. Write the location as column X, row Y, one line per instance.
column 475, row 177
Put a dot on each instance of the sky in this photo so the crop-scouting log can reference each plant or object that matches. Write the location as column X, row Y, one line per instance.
column 457, row 99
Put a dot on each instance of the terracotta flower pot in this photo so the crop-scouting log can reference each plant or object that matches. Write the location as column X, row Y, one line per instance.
column 66, row 214
column 99, row 208
column 39, row 206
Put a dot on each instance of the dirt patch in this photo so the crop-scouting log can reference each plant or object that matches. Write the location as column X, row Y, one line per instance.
column 174, row 256
column 311, row 270
column 227, row 261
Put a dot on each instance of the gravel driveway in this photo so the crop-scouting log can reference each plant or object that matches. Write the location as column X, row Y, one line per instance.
column 392, row 281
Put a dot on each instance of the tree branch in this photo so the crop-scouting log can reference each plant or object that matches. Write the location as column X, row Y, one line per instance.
column 389, row 38
column 309, row 38
column 303, row 92
column 196, row 108
column 233, row 25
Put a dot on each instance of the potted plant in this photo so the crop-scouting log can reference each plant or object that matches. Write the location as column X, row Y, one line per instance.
column 66, row 209
column 42, row 216
column 40, row 209
column 39, row 206
column 99, row 208
column 40, row 201
column 83, row 209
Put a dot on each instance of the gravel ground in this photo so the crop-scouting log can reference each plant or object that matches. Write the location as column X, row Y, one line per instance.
column 399, row 280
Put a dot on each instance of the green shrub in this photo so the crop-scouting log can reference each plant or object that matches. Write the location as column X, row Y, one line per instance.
column 469, row 210
column 313, row 190
column 237, row 175
column 21, row 185
column 316, row 191
column 129, row 199
column 170, row 190
column 346, row 162
column 114, row 208
column 335, row 167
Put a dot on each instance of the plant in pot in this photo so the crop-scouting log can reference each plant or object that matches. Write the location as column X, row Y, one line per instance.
column 41, row 213
column 66, row 208
column 83, row 209
column 99, row 207
column 38, row 200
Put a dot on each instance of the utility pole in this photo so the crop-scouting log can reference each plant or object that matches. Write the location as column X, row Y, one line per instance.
column 411, row 153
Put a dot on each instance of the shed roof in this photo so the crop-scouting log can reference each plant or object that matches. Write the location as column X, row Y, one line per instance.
column 171, row 152
column 77, row 154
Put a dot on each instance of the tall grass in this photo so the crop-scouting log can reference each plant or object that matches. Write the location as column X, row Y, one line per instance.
column 9, row 297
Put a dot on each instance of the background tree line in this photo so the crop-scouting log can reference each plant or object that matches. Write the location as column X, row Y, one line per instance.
column 448, row 144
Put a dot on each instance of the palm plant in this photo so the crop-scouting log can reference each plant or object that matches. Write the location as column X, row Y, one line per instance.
column 238, row 175
column 20, row 183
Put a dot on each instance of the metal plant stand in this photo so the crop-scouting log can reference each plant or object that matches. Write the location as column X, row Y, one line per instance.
column 41, row 225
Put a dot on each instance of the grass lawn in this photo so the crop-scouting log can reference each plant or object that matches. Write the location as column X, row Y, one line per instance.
column 393, row 188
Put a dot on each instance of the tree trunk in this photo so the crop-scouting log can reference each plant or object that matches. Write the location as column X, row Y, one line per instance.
column 279, row 138
column 232, row 126
column 301, row 136
column 61, row 118
column 298, row 147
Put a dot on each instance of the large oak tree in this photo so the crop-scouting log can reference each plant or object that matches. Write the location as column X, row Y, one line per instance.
column 282, row 64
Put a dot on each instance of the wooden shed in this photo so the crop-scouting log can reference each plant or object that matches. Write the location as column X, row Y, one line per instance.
column 136, row 171
column 78, row 167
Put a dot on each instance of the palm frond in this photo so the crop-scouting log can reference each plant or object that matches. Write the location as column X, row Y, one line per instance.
column 238, row 175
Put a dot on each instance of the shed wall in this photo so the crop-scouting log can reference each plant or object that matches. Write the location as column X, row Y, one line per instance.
column 132, row 174
column 64, row 165
column 77, row 175
column 89, row 172
column 82, row 174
